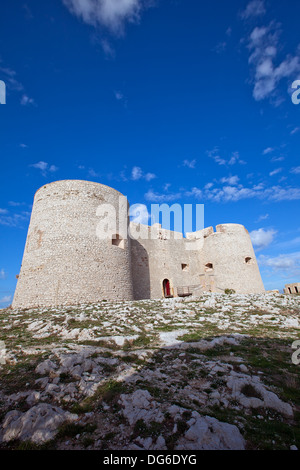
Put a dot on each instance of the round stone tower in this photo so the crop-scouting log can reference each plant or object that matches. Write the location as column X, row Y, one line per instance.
column 77, row 248
column 230, row 262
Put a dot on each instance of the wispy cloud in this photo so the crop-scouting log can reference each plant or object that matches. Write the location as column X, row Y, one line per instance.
column 267, row 69
column 220, row 160
column 138, row 174
column 10, row 77
column 296, row 170
column 220, row 47
column 2, row 274
column 121, row 98
column 5, row 299
column 112, row 14
column 268, row 150
column 232, row 180
column 286, row 263
column 254, row 9
column 44, row 167
column 19, row 220
column 295, row 130
column 161, row 198
column 262, row 217
column 238, row 192
column 189, row 163
column 27, row 101
column 276, row 171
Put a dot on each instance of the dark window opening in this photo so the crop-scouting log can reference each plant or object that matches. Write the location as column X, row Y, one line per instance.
column 290, row 291
column 209, row 267
column 296, row 289
column 248, row 260
column 185, row 267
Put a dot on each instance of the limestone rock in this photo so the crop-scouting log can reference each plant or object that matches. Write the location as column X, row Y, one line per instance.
column 39, row 424
column 140, row 405
column 206, row 433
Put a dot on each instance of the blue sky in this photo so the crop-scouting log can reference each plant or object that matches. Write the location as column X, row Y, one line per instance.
column 177, row 101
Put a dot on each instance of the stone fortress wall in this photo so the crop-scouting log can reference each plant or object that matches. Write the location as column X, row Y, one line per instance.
column 65, row 262
column 203, row 261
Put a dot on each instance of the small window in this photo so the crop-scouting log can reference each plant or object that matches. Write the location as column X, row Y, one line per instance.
column 185, row 267
column 209, row 267
column 296, row 289
column 117, row 240
column 248, row 260
column 290, row 291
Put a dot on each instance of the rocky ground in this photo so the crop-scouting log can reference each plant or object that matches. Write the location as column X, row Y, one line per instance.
column 213, row 372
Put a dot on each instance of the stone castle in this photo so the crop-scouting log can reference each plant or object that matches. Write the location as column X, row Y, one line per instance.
column 65, row 262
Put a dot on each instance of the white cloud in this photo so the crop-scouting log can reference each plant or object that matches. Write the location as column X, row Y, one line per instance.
column 295, row 130
column 118, row 95
column 3, row 211
column 262, row 238
column 296, row 170
column 112, row 14
column 275, row 172
column 264, row 46
column 2, row 274
column 238, row 192
column 15, row 220
column 189, row 163
column 289, row 263
column 26, row 101
column 149, row 176
column 5, row 299
column 40, row 165
column 161, row 198
column 108, row 49
column 254, row 8
column 220, row 47
column 138, row 174
column 44, row 167
column 232, row 180
column 93, row 174
column 263, row 217
column 268, row 150
column 277, row 159
column 195, row 192
column 235, row 158
column 9, row 76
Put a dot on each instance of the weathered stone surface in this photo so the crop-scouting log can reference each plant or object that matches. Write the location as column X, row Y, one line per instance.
column 206, row 433
column 140, row 405
column 39, row 424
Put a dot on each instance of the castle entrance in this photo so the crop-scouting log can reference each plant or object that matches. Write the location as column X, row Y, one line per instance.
column 167, row 288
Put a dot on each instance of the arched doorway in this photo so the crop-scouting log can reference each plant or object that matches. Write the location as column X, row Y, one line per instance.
column 167, row 288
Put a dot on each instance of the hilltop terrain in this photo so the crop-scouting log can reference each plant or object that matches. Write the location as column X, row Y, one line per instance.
column 212, row 372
